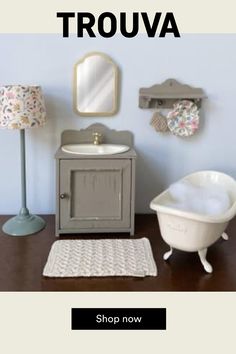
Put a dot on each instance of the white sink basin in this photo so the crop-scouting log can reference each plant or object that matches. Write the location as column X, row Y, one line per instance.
column 90, row 149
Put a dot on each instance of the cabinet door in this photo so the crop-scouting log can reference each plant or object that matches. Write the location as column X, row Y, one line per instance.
column 95, row 194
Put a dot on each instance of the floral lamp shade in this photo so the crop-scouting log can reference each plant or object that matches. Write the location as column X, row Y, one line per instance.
column 21, row 107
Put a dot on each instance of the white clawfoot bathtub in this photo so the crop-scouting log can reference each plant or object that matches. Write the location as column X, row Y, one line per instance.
column 190, row 231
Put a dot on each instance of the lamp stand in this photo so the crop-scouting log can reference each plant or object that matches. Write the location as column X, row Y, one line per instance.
column 24, row 223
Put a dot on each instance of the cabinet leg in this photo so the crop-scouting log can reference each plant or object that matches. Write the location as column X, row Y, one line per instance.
column 132, row 231
column 206, row 265
column 168, row 254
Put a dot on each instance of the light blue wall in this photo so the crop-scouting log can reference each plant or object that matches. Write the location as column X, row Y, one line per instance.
column 207, row 61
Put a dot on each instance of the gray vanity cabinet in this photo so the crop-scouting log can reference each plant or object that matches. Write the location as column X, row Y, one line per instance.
column 95, row 195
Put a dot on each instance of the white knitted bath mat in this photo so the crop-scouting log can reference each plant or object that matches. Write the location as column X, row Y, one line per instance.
column 100, row 258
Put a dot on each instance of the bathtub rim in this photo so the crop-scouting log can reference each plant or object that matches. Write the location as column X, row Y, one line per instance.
column 225, row 217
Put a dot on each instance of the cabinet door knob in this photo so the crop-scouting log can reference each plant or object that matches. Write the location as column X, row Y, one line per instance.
column 62, row 196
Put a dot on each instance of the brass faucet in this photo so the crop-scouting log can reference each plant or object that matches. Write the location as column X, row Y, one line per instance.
column 97, row 138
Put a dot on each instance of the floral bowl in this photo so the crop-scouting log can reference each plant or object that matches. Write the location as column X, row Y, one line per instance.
column 183, row 120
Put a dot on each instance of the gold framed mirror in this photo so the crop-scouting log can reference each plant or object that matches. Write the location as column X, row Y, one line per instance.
column 95, row 85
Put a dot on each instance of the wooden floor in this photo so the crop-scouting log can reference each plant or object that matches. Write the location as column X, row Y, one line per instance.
column 22, row 260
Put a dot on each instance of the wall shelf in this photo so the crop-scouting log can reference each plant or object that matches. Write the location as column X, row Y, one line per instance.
column 166, row 94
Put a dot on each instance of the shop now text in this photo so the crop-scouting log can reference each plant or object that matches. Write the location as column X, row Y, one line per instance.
column 116, row 319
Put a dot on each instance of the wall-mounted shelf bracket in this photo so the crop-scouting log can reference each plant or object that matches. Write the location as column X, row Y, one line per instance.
column 166, row 94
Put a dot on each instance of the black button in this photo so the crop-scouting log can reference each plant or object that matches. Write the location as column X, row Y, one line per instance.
column 118, row 318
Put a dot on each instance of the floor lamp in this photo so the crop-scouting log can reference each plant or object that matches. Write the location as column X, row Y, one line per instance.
column 22, row 107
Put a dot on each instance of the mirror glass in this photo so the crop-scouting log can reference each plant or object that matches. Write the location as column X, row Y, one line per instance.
column 95, row 90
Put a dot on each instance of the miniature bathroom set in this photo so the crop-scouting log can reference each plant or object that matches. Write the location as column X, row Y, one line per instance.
column 95, row 178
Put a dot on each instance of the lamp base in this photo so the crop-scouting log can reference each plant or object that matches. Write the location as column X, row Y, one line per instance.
column 22, row 225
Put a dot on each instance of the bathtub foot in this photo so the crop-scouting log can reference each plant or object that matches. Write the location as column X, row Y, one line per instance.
column 225, row 236
column 168, row 254
column 202, row 255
